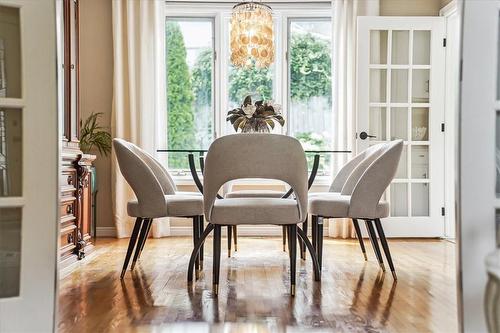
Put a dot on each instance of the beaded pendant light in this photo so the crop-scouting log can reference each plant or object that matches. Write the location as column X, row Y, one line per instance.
column 252, row 36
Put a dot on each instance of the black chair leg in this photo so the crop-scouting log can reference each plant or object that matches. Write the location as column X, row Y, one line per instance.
column 374, row 241
column 131, row 245
column 314, row 259
column 196, row 251
column 216, row 260
column 360, row 237
column 140, row 242
column 235, row 237
column 385, row 246
column 284, row 237
column 320, row 241
column 292, row 246
column 301, row 247
column 196, row 236
column 304, row 228
column 314, row 227
column 201, row 225
column 150, row 223
column 229, row 241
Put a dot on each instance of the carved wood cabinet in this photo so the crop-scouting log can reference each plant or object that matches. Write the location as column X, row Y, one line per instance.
column 76, row 169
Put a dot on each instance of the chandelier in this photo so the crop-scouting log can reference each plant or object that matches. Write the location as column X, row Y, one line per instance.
column 252, row 38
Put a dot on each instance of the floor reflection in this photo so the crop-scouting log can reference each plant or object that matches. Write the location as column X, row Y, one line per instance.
column 353, row 296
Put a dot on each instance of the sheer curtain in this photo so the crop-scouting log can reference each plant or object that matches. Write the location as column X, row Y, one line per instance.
column 344, row 16
column 138, row 92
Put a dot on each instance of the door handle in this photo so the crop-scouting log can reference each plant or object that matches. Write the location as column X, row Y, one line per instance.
column 364, row 136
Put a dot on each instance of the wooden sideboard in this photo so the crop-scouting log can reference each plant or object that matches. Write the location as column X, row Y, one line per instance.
column 76, row 167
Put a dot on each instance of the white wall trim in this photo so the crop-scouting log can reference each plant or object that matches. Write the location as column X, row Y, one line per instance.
column 106, row 231
column 449, row 9
column 452, row 20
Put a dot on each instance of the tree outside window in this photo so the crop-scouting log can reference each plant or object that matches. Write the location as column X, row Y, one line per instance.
column 189, row 88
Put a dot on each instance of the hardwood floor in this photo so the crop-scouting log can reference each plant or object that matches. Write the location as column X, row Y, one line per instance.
column 353, row 296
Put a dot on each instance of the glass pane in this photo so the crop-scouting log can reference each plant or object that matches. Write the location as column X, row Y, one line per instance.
column 189, row 86
column 399, row 199
column 11, row 157
column 399, row 86
column 310, row 114
column 420, row 162
column 399, row 123
column 378, row 46
column 402, row 171
column 10, row 52
column 421, row 47
column 420, row 86
column 378, row 123
column 10, row 251
column 419, row 199
column 419, row 124
column 400, row 47
column 378, row 85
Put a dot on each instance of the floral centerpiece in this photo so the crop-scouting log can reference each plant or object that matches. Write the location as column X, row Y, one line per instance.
column 259, row 117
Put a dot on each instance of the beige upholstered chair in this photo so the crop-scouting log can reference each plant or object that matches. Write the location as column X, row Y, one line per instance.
column 156, row 197
column 360, row 198
column 267, row 156
column 336, row 187
column 365, row 158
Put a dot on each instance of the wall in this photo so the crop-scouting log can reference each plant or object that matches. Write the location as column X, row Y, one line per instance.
column 411, row 7
column 96, row 87
column 96, row 74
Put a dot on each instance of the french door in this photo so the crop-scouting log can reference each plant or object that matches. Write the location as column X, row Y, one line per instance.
column 400, row 95
column 29, row 141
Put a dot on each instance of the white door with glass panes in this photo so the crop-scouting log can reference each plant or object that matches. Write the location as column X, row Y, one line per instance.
column 29, row 141
column 400, row 95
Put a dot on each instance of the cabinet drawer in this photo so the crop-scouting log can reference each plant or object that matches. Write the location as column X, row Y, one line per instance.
column 68, row 181
column 67, row 210
column 67, row 239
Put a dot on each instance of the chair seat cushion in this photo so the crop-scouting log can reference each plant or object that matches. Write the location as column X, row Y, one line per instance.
column 336, row 205
column 255, row 194
column 177, row 206
column 234, row 211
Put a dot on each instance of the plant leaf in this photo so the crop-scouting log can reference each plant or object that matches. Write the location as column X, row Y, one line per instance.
column 247, row 100
column 270, row 122
column 237, row 122
column 280, row 120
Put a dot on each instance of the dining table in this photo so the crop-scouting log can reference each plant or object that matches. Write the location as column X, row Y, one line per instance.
column 201, row 156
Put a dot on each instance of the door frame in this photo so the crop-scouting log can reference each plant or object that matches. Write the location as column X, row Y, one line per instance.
column 40, row 176
column 452, row 96
column 401, row 226
column 476, row 170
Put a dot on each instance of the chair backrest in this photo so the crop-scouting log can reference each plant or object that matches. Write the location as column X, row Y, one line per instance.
column 166, row 181
column 375, row 180
column 142, row 179
column 345, row 171
column 256, row 155
column 359, row 169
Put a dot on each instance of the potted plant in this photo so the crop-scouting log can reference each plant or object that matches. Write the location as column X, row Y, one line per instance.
column 258, row 117
column 92, row 137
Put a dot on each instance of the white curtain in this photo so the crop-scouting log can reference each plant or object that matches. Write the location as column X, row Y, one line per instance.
column 138, row 92
column 344, row 17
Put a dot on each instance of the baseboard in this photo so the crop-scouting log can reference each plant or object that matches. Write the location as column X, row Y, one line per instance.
column 106, row 231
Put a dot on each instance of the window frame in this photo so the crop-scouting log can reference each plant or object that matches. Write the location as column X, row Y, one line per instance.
column 220, row 13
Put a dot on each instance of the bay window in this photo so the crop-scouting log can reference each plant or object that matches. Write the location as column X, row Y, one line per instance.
column 203, row 85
